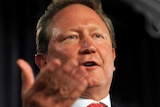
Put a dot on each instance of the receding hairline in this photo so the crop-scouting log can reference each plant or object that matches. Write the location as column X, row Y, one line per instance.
column 78, row 5
column 58, row 5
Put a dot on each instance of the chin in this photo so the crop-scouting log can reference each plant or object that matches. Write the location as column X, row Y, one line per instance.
column 93, row 81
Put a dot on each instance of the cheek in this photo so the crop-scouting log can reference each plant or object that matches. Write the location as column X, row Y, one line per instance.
column 107, row 56
column 106, row 53
column 64, row 53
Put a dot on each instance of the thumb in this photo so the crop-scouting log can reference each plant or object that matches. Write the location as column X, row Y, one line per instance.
column 27, row 75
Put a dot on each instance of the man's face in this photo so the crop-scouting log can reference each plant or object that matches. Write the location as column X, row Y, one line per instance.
column 79, row 34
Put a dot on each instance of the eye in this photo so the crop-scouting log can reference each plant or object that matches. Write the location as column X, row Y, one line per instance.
column 97, row 36
column 70, row 37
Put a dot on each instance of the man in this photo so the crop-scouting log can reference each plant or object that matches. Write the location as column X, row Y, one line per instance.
column 75, row 55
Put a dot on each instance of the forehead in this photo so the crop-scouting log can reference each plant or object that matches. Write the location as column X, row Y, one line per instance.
column 74, row 15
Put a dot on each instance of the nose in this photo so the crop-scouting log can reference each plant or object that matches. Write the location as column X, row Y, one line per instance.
column 87, row 47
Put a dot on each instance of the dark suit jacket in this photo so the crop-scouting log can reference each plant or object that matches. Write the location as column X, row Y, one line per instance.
column 114, row 102
column 117, row 102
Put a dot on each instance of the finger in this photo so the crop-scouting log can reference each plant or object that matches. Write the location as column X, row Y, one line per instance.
column 72, row 81
column 27, row 75
column 70, row 67
column 46, row 77
column 78, row 89
column 79, row 83
column 70, row 90
column 52, row 66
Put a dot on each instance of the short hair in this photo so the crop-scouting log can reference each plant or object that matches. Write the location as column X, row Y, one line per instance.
column 42, row 35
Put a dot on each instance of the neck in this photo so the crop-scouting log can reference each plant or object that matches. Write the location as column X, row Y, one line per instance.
column 95, row 93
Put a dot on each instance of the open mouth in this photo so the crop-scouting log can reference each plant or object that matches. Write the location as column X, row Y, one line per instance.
column 90, row 63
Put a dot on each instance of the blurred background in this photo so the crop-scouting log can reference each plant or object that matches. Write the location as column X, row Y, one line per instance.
column 136, row 81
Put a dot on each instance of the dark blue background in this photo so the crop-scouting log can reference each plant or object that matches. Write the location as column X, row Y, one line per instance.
column 136, row 79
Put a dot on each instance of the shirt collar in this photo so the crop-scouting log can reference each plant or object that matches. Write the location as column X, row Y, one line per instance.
column 81, row 102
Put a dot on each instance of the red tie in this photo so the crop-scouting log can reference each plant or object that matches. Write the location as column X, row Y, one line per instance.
column 96, row 105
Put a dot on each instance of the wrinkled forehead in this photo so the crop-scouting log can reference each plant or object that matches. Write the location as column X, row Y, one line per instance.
column 76, row 14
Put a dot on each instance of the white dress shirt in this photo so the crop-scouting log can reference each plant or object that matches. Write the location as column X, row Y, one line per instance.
column 81, row 102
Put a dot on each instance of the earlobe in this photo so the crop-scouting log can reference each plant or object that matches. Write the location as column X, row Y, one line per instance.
column 40, row 60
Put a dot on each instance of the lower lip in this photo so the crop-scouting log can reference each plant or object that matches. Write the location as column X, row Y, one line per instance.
column 91, row 67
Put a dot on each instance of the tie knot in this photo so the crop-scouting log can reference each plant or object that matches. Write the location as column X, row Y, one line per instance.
column 96, row 105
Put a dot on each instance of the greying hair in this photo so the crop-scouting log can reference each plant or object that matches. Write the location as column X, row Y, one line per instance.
column 42, row 35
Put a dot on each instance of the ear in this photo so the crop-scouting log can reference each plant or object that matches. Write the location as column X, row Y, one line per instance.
column 113, row 53
column 40, row 60
column 114, row 56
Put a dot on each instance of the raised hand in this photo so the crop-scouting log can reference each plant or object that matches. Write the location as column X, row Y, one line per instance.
column 56, row 85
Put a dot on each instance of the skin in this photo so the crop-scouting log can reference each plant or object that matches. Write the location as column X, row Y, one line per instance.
column 83, row 38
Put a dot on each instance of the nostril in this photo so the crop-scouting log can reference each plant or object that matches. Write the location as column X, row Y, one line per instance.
column 88, row 50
